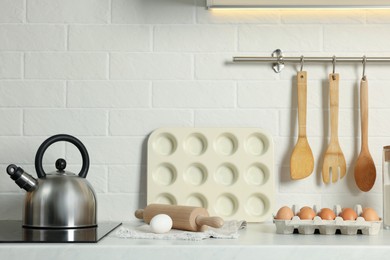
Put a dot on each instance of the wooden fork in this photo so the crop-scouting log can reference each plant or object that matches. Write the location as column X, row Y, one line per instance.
column 334, row 160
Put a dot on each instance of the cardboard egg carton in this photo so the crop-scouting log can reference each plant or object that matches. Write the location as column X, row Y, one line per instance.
column 328, row 227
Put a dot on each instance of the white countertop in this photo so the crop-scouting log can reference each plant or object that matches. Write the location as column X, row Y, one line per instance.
column 258, row 241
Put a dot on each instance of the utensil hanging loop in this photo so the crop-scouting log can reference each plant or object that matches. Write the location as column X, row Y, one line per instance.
column 364, row 67
column 334, row 67
column 302, row 61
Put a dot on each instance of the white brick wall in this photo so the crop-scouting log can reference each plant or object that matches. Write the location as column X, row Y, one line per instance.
column 364, row 38
column 141, row 122
column 66, row 65
column 112, row 71
column 52, row 121
column 10, row 65
column 72, row 11
column 19, row 93
column 108, row 94
column 109, row 38
column 301, row 37
column 153, row 12
column 194, row 94
column 192, row 38
column 29, row 37
column 148, row 66
column 12, row 11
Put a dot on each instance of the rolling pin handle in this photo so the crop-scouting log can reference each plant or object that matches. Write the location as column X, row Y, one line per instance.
column 215, row 222
column 139, row 213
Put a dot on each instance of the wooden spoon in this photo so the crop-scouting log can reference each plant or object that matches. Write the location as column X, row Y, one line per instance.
column 365, row 172
column 302, row 160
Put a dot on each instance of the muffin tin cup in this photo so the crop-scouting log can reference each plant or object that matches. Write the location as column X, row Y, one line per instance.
column 328, row 227
column 229, row 171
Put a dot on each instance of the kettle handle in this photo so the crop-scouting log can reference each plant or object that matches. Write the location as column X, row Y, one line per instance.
column 56, row 138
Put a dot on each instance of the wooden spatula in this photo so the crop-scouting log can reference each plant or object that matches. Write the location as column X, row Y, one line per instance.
column 334, row 158
column 302, row 160
column 365, row 172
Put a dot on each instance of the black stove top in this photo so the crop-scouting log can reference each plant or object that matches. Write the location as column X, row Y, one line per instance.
column 11, row 231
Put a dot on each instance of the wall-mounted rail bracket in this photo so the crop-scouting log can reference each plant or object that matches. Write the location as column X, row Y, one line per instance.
column 278, row 66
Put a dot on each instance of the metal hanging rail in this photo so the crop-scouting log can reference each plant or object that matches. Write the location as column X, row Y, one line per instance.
column 279, row 60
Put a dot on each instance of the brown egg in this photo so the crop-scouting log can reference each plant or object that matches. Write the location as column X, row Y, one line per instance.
column 370, row 215
column 348, row 214
column 327, row 214
column 306, row 213
column 284, row 213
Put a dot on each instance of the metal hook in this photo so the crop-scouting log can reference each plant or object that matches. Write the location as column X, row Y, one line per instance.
column 334, row 67
column 364, row 67
column 302, row 61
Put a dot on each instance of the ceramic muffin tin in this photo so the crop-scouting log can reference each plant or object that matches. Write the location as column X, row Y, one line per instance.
column 228, row 171
column 328, row 227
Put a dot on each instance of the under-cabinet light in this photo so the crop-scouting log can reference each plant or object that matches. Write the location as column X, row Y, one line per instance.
column 301, row 4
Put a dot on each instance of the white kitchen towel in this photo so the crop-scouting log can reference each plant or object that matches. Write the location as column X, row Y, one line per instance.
column 228, row 230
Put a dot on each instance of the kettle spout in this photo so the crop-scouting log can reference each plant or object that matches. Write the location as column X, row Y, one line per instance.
column 22, row 179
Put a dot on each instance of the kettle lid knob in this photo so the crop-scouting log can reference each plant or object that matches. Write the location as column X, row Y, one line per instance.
column 60, row 164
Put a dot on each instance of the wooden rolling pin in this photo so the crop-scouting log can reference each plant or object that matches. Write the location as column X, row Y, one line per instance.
column 183, row 217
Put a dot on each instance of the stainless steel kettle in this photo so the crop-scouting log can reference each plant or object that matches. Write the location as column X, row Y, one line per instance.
column 59, row 199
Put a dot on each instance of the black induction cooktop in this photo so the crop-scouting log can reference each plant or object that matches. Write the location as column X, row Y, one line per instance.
column 11, row 231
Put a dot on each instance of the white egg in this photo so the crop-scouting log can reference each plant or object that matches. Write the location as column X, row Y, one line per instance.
column 160, row 223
